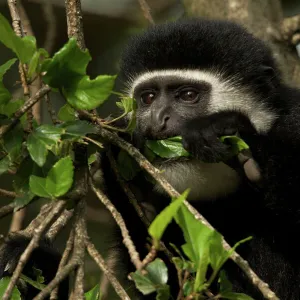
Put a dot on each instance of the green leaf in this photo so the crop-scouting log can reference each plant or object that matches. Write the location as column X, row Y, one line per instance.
column 167, row 148
column 188, row 288
column 66, row 64
column 88, row 94
column 23, row 200
column 38, row 186
column 160, row 223
column 39, row 275
column 5, row 67
column 92, row 158
column 23, row 47
column 237, row 144
column 4, row 164
column 4, row 93
column 16, row 295
column 163, row 293
column 49, row 134
column 79, row 128
column 127, row 166
column 198, row 238
column 93, row 294
column 33, row 64
column 218, row 255
column 225, row 284
column 67, row 113
column 127, row 104
column 13, row 142
column 11, row 107
column 35, row 284
column 60, row 177
column 236, row 296
column 156, row 277
column 37, row 149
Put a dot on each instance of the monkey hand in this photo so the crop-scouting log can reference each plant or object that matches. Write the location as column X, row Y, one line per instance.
column 201, row 136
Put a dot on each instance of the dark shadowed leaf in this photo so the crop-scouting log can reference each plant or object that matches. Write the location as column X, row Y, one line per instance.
column 37, row 149
column 35, row 284
column 127, row 166
column 23, row 47
column 236, row 296
column 4, row 93
column 23, row 200
column 225, row 284
column 4, row 164
column 66, row 64
column 3, row 285
column 79, row 128
column 163, row 293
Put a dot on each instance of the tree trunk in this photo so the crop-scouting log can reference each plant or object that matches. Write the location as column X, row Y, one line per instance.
column 264, row 18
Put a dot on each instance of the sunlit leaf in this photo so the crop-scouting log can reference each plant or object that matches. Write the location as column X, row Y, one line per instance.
column 67, row 113
column 86, row 93
column 168, row 148
column 16, row 295
column 60, row 177
column 23, row 47
column 93, row 294
column 155, row 279
column 160, row 223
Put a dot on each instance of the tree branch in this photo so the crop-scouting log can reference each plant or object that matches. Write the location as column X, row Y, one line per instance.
column 146, row 11
column 32, row 245
column 95, row 255
column 134, row 255
column 74, row 21
column 21, row 111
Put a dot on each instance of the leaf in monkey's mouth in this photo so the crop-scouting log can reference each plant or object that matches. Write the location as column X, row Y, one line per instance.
column 172, row 147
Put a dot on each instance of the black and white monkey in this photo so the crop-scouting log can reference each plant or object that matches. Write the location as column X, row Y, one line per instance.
column 202, row 79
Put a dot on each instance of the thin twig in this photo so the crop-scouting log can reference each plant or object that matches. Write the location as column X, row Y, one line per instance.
column 157, row 175
column 21, row 111
column 16, row 223
column 59, row 224
column 51, row 111
column 74, row 21
column 77, row 256
column 146, row 11
column 134, row 255
column 79, row 247
column 127, row 190
column 6, row 210
column 95, row 255
column 8, row 193
column 64, row 260
column 32, row 245
column 65, row 271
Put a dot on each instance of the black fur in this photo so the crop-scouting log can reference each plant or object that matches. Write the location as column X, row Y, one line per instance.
column 271, row 214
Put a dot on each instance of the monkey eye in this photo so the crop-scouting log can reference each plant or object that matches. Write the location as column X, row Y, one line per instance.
column 188, row 95
column 148, row 97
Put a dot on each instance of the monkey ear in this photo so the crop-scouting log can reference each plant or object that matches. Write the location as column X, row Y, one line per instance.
column 267, row 80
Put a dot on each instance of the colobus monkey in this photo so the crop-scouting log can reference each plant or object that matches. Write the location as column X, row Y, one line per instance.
column 203, row 79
